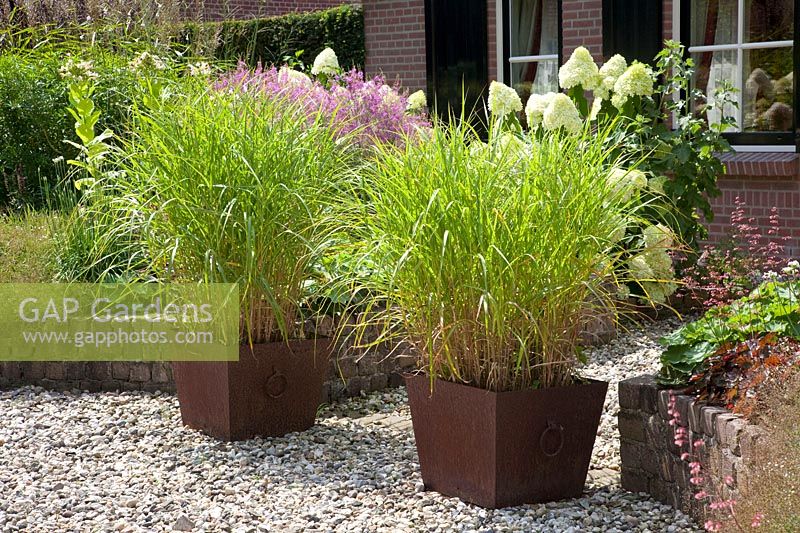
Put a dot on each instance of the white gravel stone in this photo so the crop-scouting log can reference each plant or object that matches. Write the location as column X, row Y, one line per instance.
column 123, row 462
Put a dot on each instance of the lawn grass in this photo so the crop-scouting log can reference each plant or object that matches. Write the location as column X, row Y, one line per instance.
column 27, row 247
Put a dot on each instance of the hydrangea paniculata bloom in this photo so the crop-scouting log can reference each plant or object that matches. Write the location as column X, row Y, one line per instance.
column 417, row 101
column 561, row 112
column 637, row 80
column 373, row 109
column 199, row 69
column 534, row 109
column 326, row 63
column 503, row 100
column 580, row 69
column 624, row 182
column 609, row 74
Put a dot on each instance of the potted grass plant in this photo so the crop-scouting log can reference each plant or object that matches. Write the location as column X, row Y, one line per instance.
column 490, row 258
column 229, row 186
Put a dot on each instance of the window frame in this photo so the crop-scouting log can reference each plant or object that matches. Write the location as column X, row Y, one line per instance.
column 505, row 59
column 769, row 141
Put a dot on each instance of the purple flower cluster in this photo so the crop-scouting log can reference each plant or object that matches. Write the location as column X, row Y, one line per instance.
column 372, row 110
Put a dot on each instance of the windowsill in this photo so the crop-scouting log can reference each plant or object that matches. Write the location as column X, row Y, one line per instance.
column 761, row 164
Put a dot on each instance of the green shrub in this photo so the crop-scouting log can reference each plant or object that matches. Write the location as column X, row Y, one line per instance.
column 34, row 123
column 270, row 40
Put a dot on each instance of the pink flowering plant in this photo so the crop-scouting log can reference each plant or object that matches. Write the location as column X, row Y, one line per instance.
column 369, row 110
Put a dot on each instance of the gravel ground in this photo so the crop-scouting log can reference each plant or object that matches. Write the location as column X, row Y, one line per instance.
column 123, row 462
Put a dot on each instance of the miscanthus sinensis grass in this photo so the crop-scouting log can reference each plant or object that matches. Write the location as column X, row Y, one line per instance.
column 488, row 258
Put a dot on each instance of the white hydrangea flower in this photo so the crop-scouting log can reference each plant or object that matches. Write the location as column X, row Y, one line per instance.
column 77, row 70
column 657, row 184
column 534, row 109
column 561, row 112
column 389, row 95
column 417, row 101
column 503, row 100
column 609, row 74
column 640, row 269
column 325, row 63
column 147, row 61
column 658, row 237
column 290, row 76
column 511, row 145
column 637, row 80
column 597, row 104
column 580, row 69
column 657, row 292
column 792, row 268
column 624, row 182
column 199, row 69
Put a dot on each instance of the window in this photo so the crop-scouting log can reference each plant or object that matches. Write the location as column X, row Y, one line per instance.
column 633, row 28
column 751, row 44
column 533, row 45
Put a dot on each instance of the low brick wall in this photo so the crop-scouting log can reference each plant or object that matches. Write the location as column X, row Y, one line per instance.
column 651, row 461
column 348, row 376
column 352, row 370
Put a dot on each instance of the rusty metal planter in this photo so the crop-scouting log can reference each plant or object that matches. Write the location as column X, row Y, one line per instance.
column 273, row 389
column 504, row 449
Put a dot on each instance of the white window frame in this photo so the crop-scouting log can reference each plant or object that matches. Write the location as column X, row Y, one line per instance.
column 740, row 46
column 500, row 17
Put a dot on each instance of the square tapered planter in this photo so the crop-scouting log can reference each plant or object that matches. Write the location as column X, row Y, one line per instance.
column 274, row 389
column 508, row 448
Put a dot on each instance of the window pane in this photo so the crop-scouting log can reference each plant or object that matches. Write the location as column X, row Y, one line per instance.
column 714, row 22
column 768, row 95
column 534, row 78
column 769, row 20
column 534, row 27
column 711, row 68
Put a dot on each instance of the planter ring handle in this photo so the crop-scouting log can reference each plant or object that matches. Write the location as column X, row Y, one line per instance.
column 276, row 384
column 552, row 427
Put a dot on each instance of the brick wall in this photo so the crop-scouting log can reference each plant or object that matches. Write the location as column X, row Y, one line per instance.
column 583, row 26
column 651, row 462
column 762, row 181
column 395, row 41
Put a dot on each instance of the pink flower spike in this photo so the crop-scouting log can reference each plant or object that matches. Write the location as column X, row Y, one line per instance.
column 685, row 456
column 728, row 480
column 702, row 495
column 698, row 443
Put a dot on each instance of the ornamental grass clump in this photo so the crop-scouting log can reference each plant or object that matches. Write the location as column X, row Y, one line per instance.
column 231, row 188
column 490, row 256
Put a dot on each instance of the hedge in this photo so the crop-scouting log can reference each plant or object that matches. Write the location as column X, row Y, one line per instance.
column 270, row 40
column 33, row 100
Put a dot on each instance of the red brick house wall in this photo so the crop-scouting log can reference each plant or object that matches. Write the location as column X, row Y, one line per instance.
column 395, row 41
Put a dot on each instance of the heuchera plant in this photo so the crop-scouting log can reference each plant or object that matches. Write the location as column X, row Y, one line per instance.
column 372, row 109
